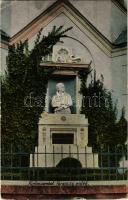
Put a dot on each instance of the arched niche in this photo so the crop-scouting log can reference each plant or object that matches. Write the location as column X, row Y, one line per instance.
column 66, row 56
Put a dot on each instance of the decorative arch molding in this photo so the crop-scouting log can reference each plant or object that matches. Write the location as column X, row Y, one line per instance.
column 92, row 59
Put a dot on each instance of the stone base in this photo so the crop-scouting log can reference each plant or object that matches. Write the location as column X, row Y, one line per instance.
column 52, row 155
column 48, row 154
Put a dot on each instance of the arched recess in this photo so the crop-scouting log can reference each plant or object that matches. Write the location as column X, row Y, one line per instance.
column 78, row 50
column 69, row 163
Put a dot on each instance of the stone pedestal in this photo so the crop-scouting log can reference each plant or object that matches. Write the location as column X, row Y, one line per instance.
column 48, row 153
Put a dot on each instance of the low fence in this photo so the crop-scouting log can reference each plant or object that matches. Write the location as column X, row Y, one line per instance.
column 111, row 166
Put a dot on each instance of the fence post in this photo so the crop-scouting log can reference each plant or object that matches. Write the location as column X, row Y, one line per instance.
column 45, row 157
column 53, row 156
column 11, row 162
column 116, row 165
column 123, row 155
column 86, row 162
column 3, row 161
column 33, row 163
column 77, row 152
column 108, row 156
column 101, row 159
column 61, row 152
column 93, row 165
column 37, row 156
column 69, row 151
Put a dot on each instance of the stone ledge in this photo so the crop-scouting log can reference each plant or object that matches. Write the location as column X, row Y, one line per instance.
column 76, row 190
column 69, row 119
column 64, row 192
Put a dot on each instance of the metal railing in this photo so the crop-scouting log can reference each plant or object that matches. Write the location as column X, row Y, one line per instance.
column 111, row 166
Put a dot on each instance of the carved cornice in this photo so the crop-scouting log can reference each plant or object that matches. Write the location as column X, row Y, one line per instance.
column 119, row 52
column 67, row 66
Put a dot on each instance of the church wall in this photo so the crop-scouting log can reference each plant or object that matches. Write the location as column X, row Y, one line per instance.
column 98, row 13
column 3, row 55
column 118, row 21
column 6, row 14
column 119, row 80
column 104, row 15
column 16, row 15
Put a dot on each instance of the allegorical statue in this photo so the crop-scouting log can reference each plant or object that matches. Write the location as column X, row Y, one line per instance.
column 61, row 102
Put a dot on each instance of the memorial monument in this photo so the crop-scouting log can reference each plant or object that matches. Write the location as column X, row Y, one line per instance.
column 62, row 130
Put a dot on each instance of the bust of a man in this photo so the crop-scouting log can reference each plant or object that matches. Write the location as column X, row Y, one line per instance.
column 61, row 102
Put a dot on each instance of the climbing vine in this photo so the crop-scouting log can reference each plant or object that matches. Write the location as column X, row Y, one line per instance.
column 25, row 78
column 105, row 130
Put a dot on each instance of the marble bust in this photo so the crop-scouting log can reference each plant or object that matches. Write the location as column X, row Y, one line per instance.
column 61, row 102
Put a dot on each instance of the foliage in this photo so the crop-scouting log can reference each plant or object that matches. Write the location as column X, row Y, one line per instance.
column 104, row 128
column 24, row 78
